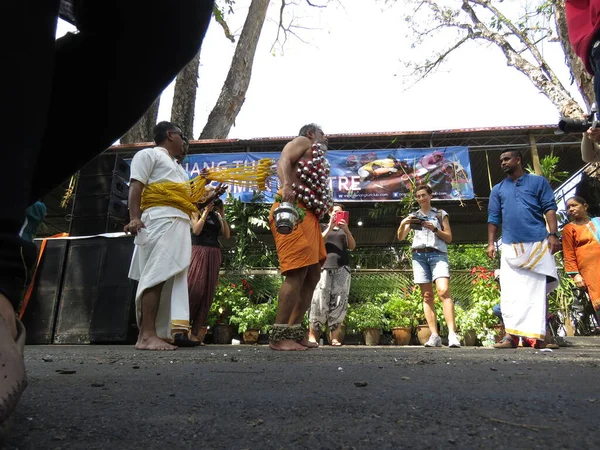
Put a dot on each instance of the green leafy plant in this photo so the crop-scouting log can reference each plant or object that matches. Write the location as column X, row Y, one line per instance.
column 245, row 219
column 366, row 315
column 548, row 165
column 260, row 317
column 476, row 313
column 399, row 309
column 229, row 299
column 462, row 256
column 264, row 287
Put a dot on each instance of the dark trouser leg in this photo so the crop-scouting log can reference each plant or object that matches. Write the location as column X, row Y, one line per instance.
column 28, row 59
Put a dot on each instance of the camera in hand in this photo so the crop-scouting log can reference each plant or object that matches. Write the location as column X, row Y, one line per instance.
column 218, row 203
column 568, row 125
column 416, row 223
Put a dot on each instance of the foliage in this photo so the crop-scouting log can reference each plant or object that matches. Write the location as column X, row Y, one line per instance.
column 398, row 256
column 548, row 165
column 264, row 287
column 261, row 317
column 401, row 308
column 366, row 315
column 476, row 313
column 461, row 257
column 219, row 12
column 229, row 299
column 392, row 257
column 244, row 219
column 561, row 298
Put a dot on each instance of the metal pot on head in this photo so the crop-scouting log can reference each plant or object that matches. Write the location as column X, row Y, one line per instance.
column 286, row 217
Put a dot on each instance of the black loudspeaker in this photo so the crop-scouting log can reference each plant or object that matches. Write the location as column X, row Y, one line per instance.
column 40, row 312
column 97, row 300
column 100, row 201
column 106, row 164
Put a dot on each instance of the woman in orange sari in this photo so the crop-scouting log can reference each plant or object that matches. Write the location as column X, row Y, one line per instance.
column 581, row 249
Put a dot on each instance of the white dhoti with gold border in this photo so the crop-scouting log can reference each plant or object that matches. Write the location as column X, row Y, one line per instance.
column 528, row 275
column 162, row 253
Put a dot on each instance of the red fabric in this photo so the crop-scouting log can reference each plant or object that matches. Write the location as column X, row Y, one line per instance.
column 203, row 275
column 583, row 22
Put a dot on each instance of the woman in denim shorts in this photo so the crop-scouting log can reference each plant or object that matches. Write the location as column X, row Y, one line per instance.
column 429, row 249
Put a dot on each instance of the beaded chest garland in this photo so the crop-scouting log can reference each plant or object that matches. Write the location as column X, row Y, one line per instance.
column 313, row 175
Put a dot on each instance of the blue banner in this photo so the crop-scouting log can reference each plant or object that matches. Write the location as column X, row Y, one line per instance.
column 367, row 175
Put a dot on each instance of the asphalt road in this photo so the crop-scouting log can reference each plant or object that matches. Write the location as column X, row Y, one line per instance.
column 249, row 397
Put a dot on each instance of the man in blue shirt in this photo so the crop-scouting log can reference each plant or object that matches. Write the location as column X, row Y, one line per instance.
column 523, row 205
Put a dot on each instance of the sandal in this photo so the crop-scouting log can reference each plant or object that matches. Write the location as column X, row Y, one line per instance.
column 335, row 343
column 182, row 340
column 505, row 342
column 12, row 373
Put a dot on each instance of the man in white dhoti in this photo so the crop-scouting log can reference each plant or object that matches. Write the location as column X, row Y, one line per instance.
column 524, row 206
column 159, row 210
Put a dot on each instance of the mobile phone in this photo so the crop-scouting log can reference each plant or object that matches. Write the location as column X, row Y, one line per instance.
column 342, row 215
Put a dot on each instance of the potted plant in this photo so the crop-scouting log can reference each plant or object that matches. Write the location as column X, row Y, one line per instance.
column 399, row 311
column 368, row 318
column 475, row 317
column 252, row 319
column 414, row 303
column 230, row 298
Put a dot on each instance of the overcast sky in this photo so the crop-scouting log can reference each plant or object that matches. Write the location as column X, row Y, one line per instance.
column 346, row 77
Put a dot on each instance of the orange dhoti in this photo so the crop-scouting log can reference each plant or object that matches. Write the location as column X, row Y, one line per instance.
column 302, row 247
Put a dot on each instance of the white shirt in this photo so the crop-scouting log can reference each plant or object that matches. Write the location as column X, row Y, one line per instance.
column 156, row 165
column 425, row 238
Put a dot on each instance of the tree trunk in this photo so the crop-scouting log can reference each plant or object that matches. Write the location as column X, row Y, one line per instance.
column 578, row 72
column 539, row 74
column 142, row 131
column 233, row 94
column 184, row 97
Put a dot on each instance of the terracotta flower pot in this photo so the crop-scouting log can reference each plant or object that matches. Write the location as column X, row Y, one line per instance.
column 251, row 336
column 401, row 335
column 423, row 333
column 372, row 336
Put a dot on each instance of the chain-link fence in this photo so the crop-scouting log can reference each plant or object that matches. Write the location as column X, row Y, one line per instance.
column 365, row 285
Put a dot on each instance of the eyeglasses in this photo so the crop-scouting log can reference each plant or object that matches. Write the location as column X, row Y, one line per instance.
column 183, row 136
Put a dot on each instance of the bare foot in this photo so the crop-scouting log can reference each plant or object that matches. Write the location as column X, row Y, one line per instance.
column 286, row 345
column 154, row 343
column 308, row 343
column 336, row 343
column 193, row 337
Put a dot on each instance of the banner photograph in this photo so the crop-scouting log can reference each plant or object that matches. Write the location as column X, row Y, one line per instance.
column 366, row 175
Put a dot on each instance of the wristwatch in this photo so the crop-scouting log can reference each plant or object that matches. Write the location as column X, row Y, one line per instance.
column 554, row 233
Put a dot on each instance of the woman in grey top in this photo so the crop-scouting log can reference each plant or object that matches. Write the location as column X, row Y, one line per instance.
column 429, row 249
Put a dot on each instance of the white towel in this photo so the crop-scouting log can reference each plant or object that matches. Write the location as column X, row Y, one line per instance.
column 163, row 252
column 525, row 286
